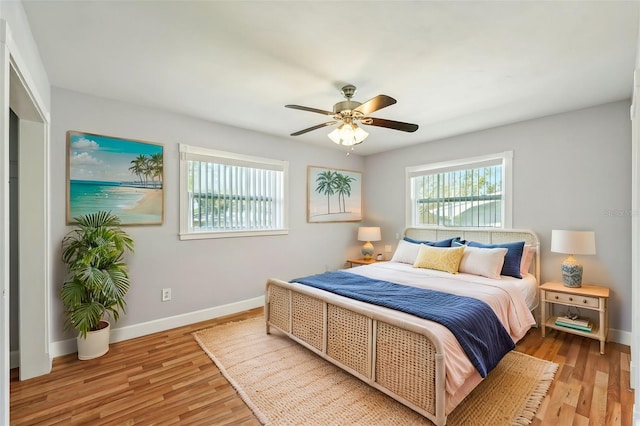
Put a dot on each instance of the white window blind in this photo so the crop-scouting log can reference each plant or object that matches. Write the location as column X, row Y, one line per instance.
column 472, row 192
column 229, row 195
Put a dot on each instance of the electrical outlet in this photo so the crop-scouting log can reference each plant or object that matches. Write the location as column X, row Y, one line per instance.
column 166, row 294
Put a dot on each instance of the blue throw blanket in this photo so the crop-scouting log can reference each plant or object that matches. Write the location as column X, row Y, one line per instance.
column 472, row 322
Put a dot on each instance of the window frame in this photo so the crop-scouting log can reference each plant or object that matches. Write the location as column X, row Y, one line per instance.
column 506, row 159
column 187, row 151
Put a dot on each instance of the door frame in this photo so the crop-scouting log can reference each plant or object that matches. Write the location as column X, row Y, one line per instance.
column 19, row 92
column 635, row 244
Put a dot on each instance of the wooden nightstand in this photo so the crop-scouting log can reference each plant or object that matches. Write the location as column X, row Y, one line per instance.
column 590, row 297
column 363, row 261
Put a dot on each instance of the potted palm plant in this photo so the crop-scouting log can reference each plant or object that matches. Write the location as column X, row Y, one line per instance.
column 98, row 279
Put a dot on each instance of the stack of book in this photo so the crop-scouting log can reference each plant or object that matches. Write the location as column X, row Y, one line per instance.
column 575, row 323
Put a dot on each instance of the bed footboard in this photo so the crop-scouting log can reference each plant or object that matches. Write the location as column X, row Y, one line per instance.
column 401, row 359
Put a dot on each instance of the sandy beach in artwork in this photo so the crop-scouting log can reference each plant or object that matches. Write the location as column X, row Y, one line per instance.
column 150, row 203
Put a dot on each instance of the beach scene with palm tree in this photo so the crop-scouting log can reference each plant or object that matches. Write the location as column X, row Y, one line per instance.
column 117, row 175
column 334, row 195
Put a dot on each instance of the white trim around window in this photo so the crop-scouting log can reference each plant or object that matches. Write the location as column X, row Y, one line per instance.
column 224, row 194
column 504, row 158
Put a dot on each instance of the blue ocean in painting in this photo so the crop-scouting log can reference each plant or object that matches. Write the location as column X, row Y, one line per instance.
column 118, row 197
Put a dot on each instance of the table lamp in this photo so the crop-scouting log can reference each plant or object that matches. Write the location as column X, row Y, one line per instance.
column 368, row 234
column 571, row 243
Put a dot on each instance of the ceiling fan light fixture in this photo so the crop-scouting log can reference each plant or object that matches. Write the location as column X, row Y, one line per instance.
column 348, row 134
column 335, row 136
column 359, row 134
column 349, row 113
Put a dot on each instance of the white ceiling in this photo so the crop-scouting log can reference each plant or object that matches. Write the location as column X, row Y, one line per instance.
column 454, row 67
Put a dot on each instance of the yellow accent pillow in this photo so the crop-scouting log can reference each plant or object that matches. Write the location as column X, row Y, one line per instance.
column 445, row 259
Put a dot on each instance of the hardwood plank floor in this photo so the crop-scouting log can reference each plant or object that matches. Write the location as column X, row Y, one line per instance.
column 166, row 379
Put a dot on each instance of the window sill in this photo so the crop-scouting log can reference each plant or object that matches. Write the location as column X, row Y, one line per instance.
column 231, row 234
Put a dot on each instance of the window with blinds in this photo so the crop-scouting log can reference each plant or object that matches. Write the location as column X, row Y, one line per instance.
column 472, row 192
column 230, row 195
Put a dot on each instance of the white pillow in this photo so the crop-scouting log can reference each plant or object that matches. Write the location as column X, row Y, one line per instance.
column 406, row 252
column 486, row 262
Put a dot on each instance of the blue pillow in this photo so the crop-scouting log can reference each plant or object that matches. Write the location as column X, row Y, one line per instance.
column 442, row 243
column 511, row 266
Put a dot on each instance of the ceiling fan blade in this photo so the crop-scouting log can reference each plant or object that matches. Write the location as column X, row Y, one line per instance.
column 374, row 104
column 304, row 108
column 396, row 125
column 319, row 126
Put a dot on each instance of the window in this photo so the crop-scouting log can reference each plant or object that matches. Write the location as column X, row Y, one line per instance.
column 231, row 195
column 474, row 192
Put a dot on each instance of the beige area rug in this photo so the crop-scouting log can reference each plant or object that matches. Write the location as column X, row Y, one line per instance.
column 286, row 384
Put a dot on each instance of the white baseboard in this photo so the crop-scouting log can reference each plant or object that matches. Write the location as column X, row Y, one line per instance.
column 69, row 346
column 65, row 347
column 619, row 336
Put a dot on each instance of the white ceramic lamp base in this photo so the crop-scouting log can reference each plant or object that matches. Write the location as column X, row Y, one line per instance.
column 367, row 250
column 571, row 273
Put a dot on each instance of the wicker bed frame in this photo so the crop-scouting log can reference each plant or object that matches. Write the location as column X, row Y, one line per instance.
column 401, row 359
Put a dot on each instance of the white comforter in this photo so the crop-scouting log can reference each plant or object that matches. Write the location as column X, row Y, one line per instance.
column 503, row 296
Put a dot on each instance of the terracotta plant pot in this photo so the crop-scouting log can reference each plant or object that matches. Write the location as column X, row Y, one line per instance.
column 96, row 344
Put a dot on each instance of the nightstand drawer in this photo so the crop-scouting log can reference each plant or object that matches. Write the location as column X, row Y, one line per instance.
column 572, row 299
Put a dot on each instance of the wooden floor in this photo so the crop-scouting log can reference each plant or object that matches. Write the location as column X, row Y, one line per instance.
column 165, row 378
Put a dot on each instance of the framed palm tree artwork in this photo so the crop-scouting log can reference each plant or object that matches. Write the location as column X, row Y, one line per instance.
column 333, row 195
column 123, row 176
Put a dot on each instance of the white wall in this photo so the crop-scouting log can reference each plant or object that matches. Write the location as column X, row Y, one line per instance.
column 571, row 171
column 26, row 49
column 202, row 273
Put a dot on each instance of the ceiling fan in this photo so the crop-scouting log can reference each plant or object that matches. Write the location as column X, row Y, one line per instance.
column 349, row 113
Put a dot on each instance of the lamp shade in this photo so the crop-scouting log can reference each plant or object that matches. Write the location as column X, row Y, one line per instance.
column 573, row 242
column 348, row 134
column 369, row 233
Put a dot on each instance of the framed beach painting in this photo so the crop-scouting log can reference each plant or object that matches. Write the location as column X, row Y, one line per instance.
column 123, row 176
column 333, row 195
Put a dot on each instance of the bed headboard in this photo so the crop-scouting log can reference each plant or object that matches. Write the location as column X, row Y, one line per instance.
column 485, row 236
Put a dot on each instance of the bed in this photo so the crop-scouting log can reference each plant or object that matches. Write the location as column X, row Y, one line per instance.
column 418, row 362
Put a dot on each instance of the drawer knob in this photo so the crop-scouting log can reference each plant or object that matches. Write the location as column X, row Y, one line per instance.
column 556, row 297
column 584, row 301
column 571, row 299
